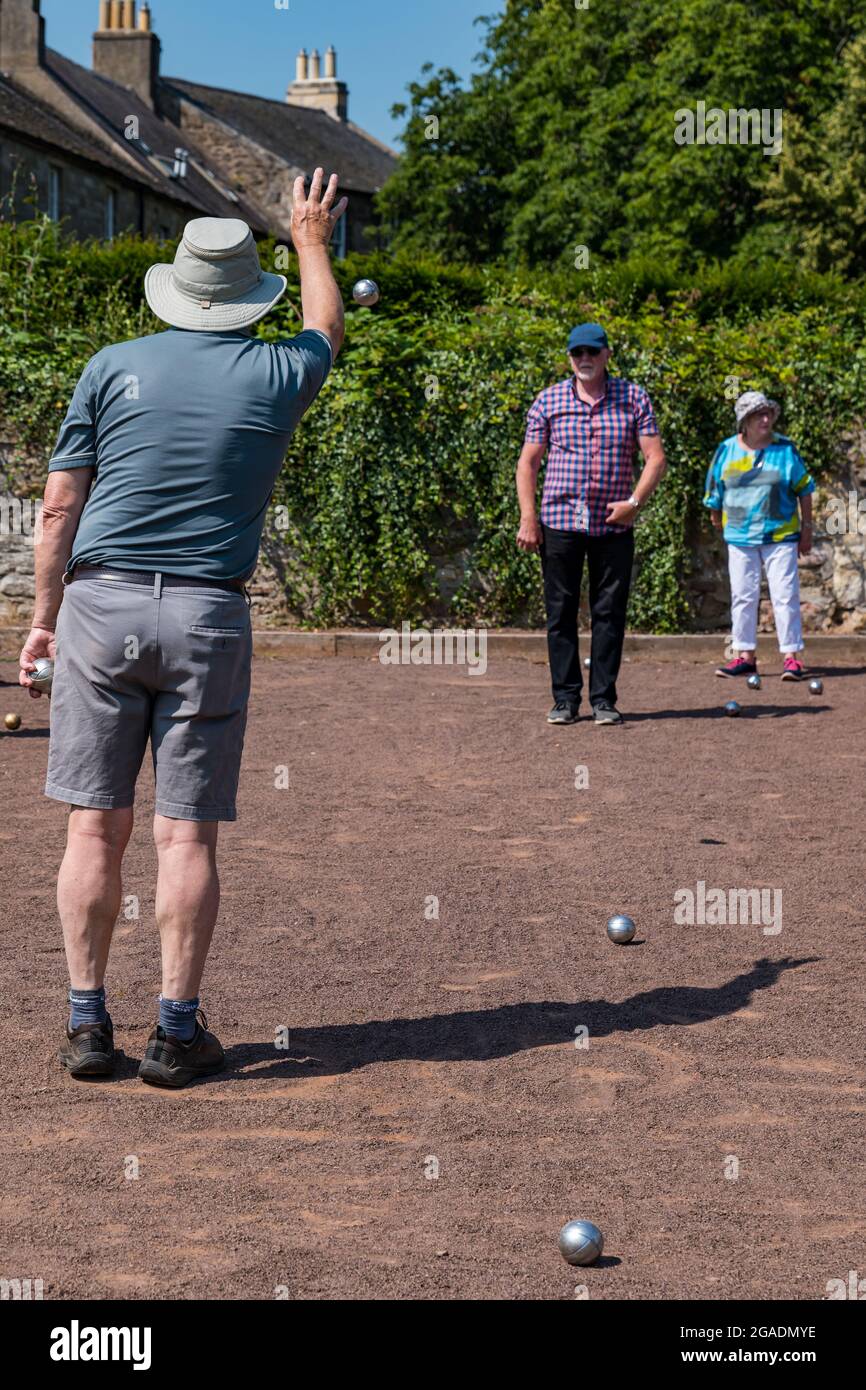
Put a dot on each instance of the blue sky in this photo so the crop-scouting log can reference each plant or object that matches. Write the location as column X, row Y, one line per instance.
column 250, row 46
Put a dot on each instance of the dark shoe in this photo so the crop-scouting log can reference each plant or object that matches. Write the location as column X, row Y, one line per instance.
column 607, row 714
column 89, row 1049
column 563, row 713
column 738, row 667
column 170, row 1062
column 794, row 670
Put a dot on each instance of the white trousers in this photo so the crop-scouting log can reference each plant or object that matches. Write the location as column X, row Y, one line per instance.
column 780, row 562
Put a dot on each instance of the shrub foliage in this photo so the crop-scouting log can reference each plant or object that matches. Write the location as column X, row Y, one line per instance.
column 397, row 500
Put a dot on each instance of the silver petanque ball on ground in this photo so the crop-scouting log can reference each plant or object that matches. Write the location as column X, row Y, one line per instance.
column 42, row 674
column 754, row 682
column 732, row 709
column 816, row 686
column 366, row 293
column 580, row 1242
column 621, row 929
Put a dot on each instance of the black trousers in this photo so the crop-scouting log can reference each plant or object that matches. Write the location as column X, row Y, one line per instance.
column 610, row 560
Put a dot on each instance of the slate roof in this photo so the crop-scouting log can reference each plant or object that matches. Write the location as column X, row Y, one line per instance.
column 298, row 135
column 111, row 104
column 26, row 115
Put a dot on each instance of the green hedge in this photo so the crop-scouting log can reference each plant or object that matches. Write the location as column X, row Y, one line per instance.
column 406, row 462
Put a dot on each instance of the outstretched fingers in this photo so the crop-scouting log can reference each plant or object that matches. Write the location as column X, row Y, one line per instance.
column 330, row 193
column 316, row 186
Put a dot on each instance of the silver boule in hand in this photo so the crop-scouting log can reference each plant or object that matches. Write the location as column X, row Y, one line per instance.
column 42, row 674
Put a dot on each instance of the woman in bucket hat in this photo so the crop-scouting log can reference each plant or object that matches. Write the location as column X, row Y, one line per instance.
column 759, row 493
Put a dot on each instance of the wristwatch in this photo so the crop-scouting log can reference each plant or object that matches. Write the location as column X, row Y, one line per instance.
column 633, row 502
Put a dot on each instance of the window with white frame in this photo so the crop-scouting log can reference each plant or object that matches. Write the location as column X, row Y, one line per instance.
column 340, row 239
column 54, row 192
column 110, row 215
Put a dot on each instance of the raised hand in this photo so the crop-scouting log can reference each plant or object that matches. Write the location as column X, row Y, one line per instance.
column 314, row 215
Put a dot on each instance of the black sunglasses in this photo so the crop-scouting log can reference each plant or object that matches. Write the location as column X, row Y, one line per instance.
column 578, row 351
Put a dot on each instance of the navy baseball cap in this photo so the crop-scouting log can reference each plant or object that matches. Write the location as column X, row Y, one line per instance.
column 587, row 335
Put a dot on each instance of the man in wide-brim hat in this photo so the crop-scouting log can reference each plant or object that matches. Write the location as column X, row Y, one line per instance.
column 156, row 499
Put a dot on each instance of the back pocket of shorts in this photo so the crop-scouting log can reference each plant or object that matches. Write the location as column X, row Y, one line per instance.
column 217, row 631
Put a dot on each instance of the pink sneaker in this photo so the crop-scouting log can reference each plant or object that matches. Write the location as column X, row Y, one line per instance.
column 794, row 669
column 738, row 667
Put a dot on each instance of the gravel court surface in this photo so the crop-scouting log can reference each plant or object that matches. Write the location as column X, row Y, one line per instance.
column 419, row 1045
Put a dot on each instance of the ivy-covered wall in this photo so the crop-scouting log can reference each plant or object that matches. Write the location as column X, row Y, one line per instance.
column 397, row 500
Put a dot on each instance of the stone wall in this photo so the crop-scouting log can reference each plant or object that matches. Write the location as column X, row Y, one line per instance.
column 19, row 519
column 17, row 587
column 833, row 578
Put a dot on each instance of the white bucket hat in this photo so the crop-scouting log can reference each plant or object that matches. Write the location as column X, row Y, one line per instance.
column 216, row 283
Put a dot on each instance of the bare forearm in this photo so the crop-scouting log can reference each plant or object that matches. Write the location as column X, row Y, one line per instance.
column 806, row 509
column 651, row 475
column 52, row 556
column 526, row 489
column 321, row 300
column 527, row 478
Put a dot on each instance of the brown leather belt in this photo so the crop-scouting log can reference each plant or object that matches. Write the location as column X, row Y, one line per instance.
column 147, row 578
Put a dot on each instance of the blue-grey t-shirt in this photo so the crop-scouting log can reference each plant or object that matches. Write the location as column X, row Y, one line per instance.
column 187, row 432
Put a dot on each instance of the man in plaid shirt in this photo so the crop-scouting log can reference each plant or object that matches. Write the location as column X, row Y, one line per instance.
column 590, row 426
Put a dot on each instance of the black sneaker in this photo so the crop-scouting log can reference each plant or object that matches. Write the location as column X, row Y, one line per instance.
column 89, row 1049
column 607, row 714
column 170, row 1062
column 563, row 713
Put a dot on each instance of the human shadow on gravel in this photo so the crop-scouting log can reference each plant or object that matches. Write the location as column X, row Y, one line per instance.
column 747, row 711
column 830, row 672
column 480, row 1034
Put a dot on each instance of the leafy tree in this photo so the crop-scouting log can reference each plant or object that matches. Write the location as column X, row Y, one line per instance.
column 819, row 188
column 565, row 135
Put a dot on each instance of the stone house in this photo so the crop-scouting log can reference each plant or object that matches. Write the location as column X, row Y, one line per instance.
column 123, row 148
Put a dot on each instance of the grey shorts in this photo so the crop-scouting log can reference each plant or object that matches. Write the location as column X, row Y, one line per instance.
column 135, row 663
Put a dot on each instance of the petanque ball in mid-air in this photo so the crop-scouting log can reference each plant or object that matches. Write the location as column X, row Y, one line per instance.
column 366, row 293
column 732, row 709
column 12, row 722
column 587, row 661
column 42, row 674
column 580, row 1242
column 816, row 686
column 621, row 929
column 754, row 682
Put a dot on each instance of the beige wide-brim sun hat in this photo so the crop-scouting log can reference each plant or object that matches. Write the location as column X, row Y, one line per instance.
column 216, row 283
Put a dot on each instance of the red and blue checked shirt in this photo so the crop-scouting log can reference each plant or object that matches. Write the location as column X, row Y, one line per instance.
column 591, row 450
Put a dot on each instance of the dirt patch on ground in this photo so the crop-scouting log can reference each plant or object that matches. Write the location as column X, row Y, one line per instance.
column 420, row 1045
